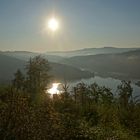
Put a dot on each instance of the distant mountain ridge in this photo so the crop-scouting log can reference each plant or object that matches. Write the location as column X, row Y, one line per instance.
column 107, row 61
column 24, row 55
column 91, row 51
column 59, row 55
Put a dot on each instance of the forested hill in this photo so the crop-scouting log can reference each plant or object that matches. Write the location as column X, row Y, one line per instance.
column 68, row 73
column 10, row 64
column 120, row 65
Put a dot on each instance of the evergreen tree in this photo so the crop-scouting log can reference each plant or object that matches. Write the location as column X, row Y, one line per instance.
column 18, row 82
column 37, row 75
column 125, row 93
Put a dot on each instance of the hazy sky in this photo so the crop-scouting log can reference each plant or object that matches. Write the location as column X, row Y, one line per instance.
column 83, row 24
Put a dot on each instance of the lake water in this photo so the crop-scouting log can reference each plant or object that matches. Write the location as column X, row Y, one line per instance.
column 107, row 82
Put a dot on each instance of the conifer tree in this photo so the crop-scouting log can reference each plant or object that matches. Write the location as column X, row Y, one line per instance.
column 18, row 81
column 37, row 75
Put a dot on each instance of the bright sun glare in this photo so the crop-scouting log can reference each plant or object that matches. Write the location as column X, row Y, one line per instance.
column 54, row 89
column 53, row 24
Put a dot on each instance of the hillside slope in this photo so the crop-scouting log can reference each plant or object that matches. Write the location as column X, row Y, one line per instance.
column 24, row 55
column 119, row 65
column 9, row 65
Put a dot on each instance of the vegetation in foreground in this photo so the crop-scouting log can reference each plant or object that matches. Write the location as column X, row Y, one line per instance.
column 88, row 112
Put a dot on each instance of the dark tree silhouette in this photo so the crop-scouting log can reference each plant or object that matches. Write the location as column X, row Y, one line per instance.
column 19, row 80
column 37, row 75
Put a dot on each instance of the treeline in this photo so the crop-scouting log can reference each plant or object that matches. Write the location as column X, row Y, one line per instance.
column 88, row 112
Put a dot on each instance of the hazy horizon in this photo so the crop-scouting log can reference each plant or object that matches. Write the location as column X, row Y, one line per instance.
column 83, row 24
column 49, row 51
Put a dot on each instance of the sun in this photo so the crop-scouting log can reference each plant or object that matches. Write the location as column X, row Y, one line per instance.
column 54, row 89
column 53, row 24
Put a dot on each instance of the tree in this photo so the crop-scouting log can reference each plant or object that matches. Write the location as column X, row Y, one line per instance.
column 125, row 93
column 37, row 75
column 18, row 82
